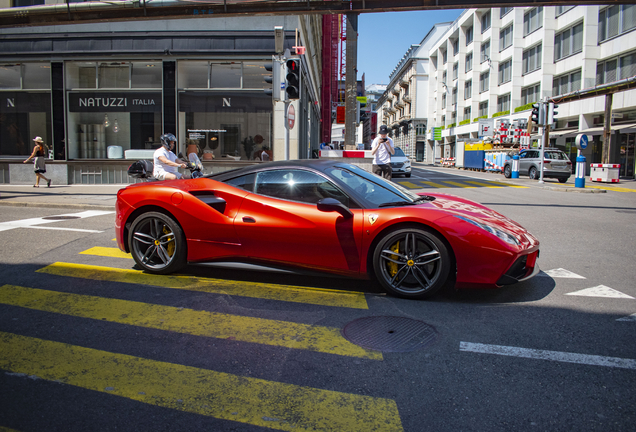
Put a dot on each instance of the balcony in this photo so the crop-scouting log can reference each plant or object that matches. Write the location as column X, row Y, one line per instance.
column 395, row 91
column 407, row 98
column 405, row 82
column 400, row 104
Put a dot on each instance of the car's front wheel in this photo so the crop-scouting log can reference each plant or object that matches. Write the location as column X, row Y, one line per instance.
column 563, row 179
column 157, row 243
column 533, row 173
column 411, row 263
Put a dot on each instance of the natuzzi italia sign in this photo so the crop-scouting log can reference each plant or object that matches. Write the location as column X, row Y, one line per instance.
column 114, row 102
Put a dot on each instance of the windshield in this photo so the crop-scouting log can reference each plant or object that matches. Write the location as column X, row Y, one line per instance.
column 372, row 188
column 399, row 152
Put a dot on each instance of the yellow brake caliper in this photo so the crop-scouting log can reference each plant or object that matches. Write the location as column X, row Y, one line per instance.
column 393, row 267
column 170, row 248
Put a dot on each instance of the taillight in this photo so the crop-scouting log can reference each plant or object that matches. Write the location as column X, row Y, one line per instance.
column 569, row 162
column 546, row 161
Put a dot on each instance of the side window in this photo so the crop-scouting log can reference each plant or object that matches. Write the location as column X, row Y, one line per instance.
column 244, row 182
column 297, row 185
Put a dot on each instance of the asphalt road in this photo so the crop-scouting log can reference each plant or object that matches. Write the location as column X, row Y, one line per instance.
column 88, row 343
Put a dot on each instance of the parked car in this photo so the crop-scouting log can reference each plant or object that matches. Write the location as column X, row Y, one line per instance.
column 556, row 164
column 400, row 164
column 328, row 216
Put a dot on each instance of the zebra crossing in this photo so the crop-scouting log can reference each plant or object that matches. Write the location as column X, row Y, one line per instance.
column 195, row 390
column 416, row 183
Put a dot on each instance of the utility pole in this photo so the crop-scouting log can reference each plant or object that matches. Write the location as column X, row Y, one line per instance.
column 351, row 84
column 607, row 132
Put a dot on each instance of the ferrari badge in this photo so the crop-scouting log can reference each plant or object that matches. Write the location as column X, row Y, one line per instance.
column 373, row 218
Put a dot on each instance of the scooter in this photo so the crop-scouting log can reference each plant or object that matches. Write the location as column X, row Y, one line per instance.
column 142, row 169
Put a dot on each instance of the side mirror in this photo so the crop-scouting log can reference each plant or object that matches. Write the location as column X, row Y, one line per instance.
column 333, row 205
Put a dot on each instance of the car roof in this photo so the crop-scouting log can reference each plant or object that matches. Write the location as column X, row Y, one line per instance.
column 316, row 164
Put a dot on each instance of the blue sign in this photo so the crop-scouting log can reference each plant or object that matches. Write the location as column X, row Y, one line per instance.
column 581, row 141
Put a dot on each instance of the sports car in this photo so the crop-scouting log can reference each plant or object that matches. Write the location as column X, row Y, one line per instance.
column 325, row 216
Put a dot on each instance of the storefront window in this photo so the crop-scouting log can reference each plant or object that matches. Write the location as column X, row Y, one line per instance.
column 118, row 117
column 24, row 113
column 235, row 123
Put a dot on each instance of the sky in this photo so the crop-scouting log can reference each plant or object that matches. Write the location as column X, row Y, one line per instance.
column 384, row 38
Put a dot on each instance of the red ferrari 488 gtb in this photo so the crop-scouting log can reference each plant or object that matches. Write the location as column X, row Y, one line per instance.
column 324, row 216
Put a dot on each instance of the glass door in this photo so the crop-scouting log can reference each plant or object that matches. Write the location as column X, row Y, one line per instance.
column 627, row 155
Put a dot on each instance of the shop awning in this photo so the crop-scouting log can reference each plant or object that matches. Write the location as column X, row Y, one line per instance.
column 630, row 127
column 564, row 133
column 621, row 127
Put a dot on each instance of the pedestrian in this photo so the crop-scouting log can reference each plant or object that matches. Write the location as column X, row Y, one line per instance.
column 382, row 148
column 265, row 154
column 39, row 167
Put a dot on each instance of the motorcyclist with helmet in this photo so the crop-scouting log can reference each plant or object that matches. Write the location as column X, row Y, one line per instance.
column 165, row 161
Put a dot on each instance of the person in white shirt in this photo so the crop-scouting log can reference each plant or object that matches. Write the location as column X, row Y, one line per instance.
column 166, row 163
column 382, row 148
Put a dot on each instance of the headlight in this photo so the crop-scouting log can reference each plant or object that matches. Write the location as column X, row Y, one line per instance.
column 508, row 238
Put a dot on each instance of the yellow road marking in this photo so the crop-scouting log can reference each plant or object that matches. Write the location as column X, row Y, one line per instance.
column 409, row 185
column 106, row 252
column 188, row 321
column 433, row 184
column 287, row 293
column 461, row 185
column 610, row 188
column 483, row 184
column 509, row 185
column 220, row 395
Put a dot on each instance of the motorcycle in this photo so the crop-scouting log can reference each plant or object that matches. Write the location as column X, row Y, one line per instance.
column 142, row 169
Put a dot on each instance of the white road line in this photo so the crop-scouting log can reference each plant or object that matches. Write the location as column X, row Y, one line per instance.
column 63, row 229
column 28, row 223
column 565, row 357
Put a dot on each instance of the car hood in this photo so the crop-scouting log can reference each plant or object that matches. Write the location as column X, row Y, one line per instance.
column 461, row 207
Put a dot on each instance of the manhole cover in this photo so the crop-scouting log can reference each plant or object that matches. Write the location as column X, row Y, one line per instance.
column 61, row 217
column 390, row 333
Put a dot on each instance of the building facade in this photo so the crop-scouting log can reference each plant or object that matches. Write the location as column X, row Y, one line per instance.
column 495, row 63
column 99, row 92
column 403, row 107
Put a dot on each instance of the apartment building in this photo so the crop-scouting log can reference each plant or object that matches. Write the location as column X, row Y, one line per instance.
column 494, row 63
column 404, row 105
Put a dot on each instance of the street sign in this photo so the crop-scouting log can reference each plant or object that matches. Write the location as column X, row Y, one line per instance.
column 486, row 127
column 581, row 141
column 291, row 116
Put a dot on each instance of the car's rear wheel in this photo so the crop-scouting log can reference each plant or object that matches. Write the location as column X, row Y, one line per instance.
column 563, row 179
column 533, row 173
column 507, row 171
column 411, row 263
column 157, row 243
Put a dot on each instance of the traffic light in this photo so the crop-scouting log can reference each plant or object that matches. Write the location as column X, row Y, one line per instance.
column 292, row 87
column 538, row 114
column 274, row 79
column 552, row 113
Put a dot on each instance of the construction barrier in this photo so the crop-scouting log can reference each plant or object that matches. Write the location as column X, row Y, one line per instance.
column 495, row 160
column 607, row 173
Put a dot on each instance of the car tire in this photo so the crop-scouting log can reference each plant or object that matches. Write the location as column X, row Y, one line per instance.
column 407, row 175
column 411, row 263
column 563, row 179
column 533, row 173
column 507, row 171
column 157, row 243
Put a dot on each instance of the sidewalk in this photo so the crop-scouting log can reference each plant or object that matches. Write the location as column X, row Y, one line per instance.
column 84, row 197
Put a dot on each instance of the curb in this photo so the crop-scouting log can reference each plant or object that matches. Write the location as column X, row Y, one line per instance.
column 574, row 189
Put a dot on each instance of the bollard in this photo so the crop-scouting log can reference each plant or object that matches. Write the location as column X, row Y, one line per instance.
column 579, row 181
column 515, row 166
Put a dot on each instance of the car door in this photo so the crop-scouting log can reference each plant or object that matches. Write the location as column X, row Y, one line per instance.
column 280, row 223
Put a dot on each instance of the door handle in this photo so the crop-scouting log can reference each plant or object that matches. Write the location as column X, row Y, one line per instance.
column 248, row 219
